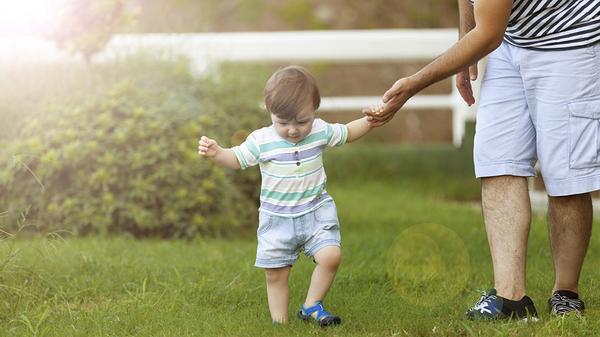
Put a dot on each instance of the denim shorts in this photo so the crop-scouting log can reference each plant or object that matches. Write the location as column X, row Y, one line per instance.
column 280, row 239
column 541, row 105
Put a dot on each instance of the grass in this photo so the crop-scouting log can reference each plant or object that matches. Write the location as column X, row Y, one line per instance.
column 414, row 260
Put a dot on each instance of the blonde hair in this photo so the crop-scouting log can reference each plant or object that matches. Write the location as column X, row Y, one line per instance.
column 289, row 89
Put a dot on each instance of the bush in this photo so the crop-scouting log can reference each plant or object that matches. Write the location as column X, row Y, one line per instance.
column 126, row 161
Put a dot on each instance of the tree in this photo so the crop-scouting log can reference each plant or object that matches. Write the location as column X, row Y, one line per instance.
column 86, row 26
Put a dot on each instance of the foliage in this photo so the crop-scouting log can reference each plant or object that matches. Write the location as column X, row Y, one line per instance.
column 183, row 16
column 441, row 168
column 301, row 14
column 125, row 161
column 85, row 26
column 29, row 89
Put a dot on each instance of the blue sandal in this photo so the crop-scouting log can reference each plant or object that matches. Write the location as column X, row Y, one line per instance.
column 324, row 318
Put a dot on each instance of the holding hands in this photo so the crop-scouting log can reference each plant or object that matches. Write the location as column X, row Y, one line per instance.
column 373, row 110
column 404, row 88
column 393, row 100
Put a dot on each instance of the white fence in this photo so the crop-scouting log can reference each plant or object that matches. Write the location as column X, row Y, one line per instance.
column 286, row 47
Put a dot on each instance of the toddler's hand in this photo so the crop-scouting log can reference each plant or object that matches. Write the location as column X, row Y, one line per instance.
column 208, row 147
column 373, row 110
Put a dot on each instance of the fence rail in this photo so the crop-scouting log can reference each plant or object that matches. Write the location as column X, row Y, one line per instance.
column 204, row 49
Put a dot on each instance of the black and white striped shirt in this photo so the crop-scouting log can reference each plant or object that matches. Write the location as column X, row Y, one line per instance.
column 553, row 24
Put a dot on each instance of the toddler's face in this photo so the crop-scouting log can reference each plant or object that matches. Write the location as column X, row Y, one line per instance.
column 298, row 127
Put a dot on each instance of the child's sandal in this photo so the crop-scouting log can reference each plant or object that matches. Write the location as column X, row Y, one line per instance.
column 324, row 318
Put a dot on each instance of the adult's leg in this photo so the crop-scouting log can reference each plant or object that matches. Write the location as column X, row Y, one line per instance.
column 328, row 260
column 570, row 228
column 507, row 216
column 564, row 90
column 277, row 293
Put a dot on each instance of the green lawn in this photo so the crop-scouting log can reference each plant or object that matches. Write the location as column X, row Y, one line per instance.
column 434, row 248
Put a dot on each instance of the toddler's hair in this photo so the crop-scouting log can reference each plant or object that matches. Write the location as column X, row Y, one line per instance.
column 288, row 91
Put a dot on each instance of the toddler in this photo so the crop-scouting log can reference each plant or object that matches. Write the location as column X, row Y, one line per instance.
column 295, row 213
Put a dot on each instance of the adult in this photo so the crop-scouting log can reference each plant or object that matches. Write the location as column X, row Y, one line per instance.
column 540, row 101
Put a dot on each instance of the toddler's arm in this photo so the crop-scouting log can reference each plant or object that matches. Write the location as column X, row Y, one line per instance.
column 224, row 157
column 357, row 128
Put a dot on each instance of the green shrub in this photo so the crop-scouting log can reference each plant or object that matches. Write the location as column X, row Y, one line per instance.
column 126, row 161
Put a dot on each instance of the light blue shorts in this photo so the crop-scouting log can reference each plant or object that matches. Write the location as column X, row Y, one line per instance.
column 280, row 239
column 541, row 105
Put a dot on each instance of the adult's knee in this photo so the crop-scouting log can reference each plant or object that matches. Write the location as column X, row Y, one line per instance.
column 569, row 199
column 505, row 188
column 503, row 181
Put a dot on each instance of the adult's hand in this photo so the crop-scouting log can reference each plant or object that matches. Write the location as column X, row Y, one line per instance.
column 491, row 17
column 394, row 99
column 463, row 83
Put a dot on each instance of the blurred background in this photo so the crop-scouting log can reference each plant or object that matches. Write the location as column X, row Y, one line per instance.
column 100, row 114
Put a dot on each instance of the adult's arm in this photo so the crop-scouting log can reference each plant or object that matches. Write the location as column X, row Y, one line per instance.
column 491, row 19
column 466, row 18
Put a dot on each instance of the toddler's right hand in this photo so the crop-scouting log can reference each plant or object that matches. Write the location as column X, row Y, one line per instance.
column 373, row 110
column 208, row 147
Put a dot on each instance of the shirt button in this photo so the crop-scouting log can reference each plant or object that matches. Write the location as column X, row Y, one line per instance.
column 297, row 163
column 296, row 153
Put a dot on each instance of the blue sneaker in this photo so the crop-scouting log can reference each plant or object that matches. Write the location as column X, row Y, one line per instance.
column 493, row 307
column 324, row 318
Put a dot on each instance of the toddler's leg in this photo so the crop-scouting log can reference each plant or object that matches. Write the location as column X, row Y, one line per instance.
column 277, row 293
column 328, row 260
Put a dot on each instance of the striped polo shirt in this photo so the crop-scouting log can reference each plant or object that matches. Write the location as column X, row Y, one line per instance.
column 293, row 176
column 553, row 24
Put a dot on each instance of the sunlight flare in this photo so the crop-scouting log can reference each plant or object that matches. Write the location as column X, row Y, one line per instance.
column 28, row 17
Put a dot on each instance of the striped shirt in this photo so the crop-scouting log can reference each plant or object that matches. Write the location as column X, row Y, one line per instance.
column 293, row 176
column 553, row 24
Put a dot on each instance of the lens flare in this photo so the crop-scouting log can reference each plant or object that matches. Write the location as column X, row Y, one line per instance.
column 28, row 17
column 428, row 265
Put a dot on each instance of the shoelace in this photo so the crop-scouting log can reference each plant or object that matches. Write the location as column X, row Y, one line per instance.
column 562, row 305
column 483, row 303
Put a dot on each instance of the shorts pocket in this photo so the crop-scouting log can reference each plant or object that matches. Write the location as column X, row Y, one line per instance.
column 326, row 213
column 584, row 134
column 265, row 222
